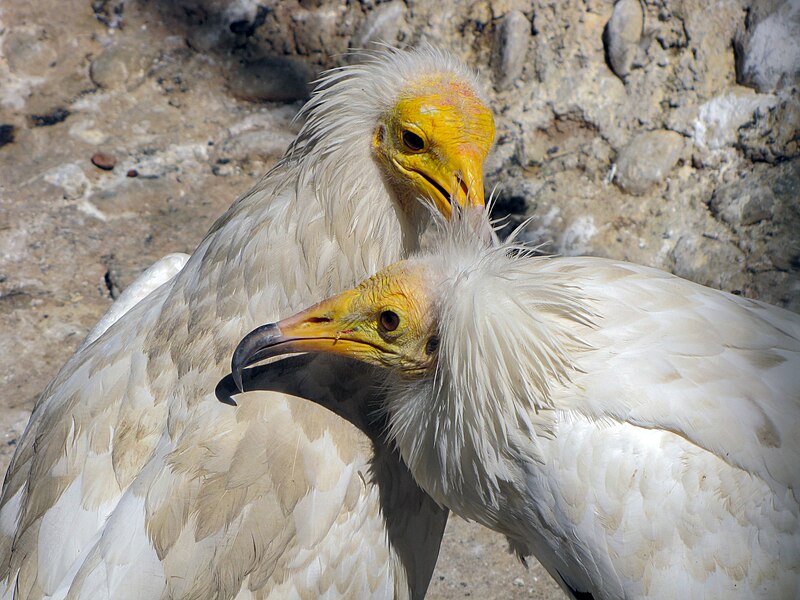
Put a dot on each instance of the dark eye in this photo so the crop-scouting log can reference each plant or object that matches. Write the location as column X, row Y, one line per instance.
column 432, row 345
column 389, row 320
column 413, row 141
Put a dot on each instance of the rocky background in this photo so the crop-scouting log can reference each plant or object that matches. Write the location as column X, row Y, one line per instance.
column 662, row 132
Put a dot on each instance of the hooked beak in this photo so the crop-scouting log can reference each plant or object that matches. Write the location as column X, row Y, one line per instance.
column 460, row 181
column 263, row 342
column 317, row 329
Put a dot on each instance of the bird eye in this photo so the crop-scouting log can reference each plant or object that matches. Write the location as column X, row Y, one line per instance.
column 389, row 320
column 432, row 345
column 412, row 141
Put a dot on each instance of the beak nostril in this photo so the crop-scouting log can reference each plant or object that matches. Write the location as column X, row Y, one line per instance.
column 319, row 320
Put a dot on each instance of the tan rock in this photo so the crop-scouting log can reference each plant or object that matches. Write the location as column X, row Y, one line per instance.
column 647, row 159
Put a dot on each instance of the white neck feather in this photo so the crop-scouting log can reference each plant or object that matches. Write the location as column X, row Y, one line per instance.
column 506, row 339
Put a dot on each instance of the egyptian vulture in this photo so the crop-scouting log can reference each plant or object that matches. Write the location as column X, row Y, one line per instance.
column 639, row 434
column 133, row 479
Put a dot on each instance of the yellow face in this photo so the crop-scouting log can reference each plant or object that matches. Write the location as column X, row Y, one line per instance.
column 435, row 141
column 386, row 321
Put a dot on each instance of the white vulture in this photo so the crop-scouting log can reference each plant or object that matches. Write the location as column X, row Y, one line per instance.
column 639, row 434
column 133, row 480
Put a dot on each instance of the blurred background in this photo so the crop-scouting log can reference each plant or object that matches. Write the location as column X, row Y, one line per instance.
column 666, row 133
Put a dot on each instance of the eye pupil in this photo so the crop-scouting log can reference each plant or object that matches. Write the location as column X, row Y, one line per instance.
column 389, row 320
column 432, row 345
column 413, row 141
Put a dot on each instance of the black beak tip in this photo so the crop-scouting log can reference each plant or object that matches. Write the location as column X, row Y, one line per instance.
column 237, row 367
column 250, row 350
column 237, row 377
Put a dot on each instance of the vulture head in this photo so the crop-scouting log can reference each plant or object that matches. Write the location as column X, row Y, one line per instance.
column 432, row 142
column 472, row 344
column 414, row 122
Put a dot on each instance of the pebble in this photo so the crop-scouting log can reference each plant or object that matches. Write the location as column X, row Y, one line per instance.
column 118, row 66
column 109, row 70
column 622, row 35
column 647, row 160
column 104, row 161
column 768, row 53
column 509, row 49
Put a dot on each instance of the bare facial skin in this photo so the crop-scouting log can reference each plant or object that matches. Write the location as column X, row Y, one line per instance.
column 386, row 321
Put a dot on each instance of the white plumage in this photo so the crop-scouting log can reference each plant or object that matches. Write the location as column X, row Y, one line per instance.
column 151, row 278
column 636, row 432
column 133, row 480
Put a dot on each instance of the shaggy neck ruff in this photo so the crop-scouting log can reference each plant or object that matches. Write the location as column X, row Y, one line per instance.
column 506, row 339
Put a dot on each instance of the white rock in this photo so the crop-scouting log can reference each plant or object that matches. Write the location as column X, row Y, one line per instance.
column 576, row 238
column 86, row 132
column 719, row 119
column 769, row 53
column 70, row 178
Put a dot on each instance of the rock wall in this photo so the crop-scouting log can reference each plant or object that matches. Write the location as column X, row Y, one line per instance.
column 662, row 132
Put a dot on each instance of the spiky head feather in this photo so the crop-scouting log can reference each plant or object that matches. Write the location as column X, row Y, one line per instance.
column 506, row 325
column 333, row 151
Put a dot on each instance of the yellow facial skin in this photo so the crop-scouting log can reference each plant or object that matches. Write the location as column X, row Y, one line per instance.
column 437, row 137
column 386, row 321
